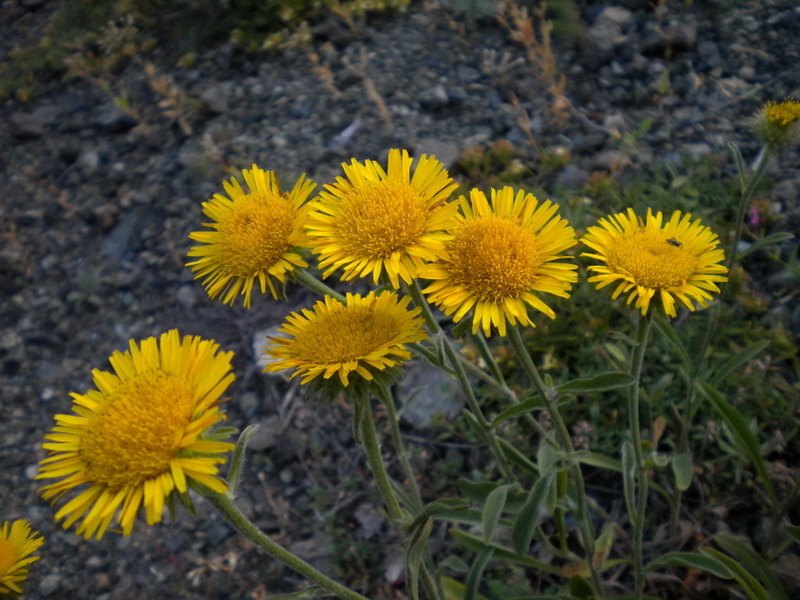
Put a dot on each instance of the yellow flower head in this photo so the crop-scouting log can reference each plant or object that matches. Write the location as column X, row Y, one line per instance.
column 364, row 335
column 374, row 221
column 17, row 543
column 678, row 259
column 778, row 123
column 502, row 254
column 140, row 434
column 256, row 236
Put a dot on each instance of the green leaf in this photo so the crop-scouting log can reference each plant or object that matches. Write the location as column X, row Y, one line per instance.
column 454, row 590
column 476, row 544
column 744, row 437
column 514, row 455
column 683, row 469
column 757, row 565
column 414, row 555
column 794, row 531
column 753, row 589
column 235, row 469
column 707, row 564
column 594, row 459
column 736, row 361
column 495, row 502
column 517, row 410
column 774, row 238
column 476, row 573
column 629, row 479
column 580, row 588
column 666, row 329
column 479, row 492
column 454, row 563
column 529, row 515
column 597, row 383
column 546, row 455
column 437, row 507
column 475, row 426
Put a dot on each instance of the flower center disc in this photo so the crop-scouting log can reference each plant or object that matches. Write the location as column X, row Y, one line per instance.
column 494, row 258
column 255, row 233
column 382, row 218
column 651, row 260
column 345, row 335
column 133, row 437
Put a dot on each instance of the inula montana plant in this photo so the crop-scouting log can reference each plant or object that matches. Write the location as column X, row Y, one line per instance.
column 466, row 284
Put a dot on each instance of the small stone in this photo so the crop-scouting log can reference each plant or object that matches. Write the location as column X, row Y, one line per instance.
column 218, row 96
column 697, row 150
column 113, row 119
column 49, row 584
column 445, row 151
column 434, row 98
column 572, row 177
column 186, row 296
column 747, row 73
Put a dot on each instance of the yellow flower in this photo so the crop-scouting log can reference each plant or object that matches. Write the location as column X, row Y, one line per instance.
column 364, row 335
column 140, row 434
column 502, row 254
column 678, row 259
column 376, row 221
column 778, row 123
column 17, row 543
column 783, row 113
column 257, row 235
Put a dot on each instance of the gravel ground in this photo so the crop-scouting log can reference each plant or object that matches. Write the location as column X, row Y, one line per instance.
column 97, row 205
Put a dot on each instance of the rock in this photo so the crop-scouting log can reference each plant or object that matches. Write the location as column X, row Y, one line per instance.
column 609, row 160
column 30, row 125
column 125, row 238
column 709, row 53
column 572, row 177
column 606, row 33
column 428, row 395
column 434, row 98
column 217, row 97
column 268, row 434
column 445, row 151
column 697, row 150
column 673, row 37
column 49, row 584
column 113, row 120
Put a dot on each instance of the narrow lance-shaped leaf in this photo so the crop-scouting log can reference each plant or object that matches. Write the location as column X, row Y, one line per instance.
column 597, row 383
column 528, row 518
column 757, row 565
column 476, row 573
column 492, row 510
column 629, row 480
column 692, row 560
column 744, row 437
column 750, row 585
column 683, row 469
column 738, row 360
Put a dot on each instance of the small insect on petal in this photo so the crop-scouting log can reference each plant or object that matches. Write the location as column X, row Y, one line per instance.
column 674, row 242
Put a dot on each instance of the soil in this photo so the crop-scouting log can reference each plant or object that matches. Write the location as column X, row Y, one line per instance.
column 98, row 201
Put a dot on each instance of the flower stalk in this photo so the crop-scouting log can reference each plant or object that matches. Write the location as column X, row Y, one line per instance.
column 225, row 506
column 550, row 397
column 640, row 474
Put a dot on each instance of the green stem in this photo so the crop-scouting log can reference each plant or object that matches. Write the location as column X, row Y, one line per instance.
column 550, row 397
column 369, row 439
column 461, row 375
column 748, row 190
column 402, row 455
column 637, row 360
column 228, row 510
column 315, row 285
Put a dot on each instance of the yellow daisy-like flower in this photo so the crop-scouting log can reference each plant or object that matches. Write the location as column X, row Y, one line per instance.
column 140, row 434
column 501, row 255
column 364, row 335
column 677, row 259
column 17, row 543
column 257, row 236
column 783, row 113
column 778, row 123
column 375, row 221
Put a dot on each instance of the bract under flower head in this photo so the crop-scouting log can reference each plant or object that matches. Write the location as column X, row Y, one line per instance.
column 677, row 259
column 365, row 335
column 256, row 236
column 140, row 435
column 373, row 221
column 501, row 256
column 17, row 543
